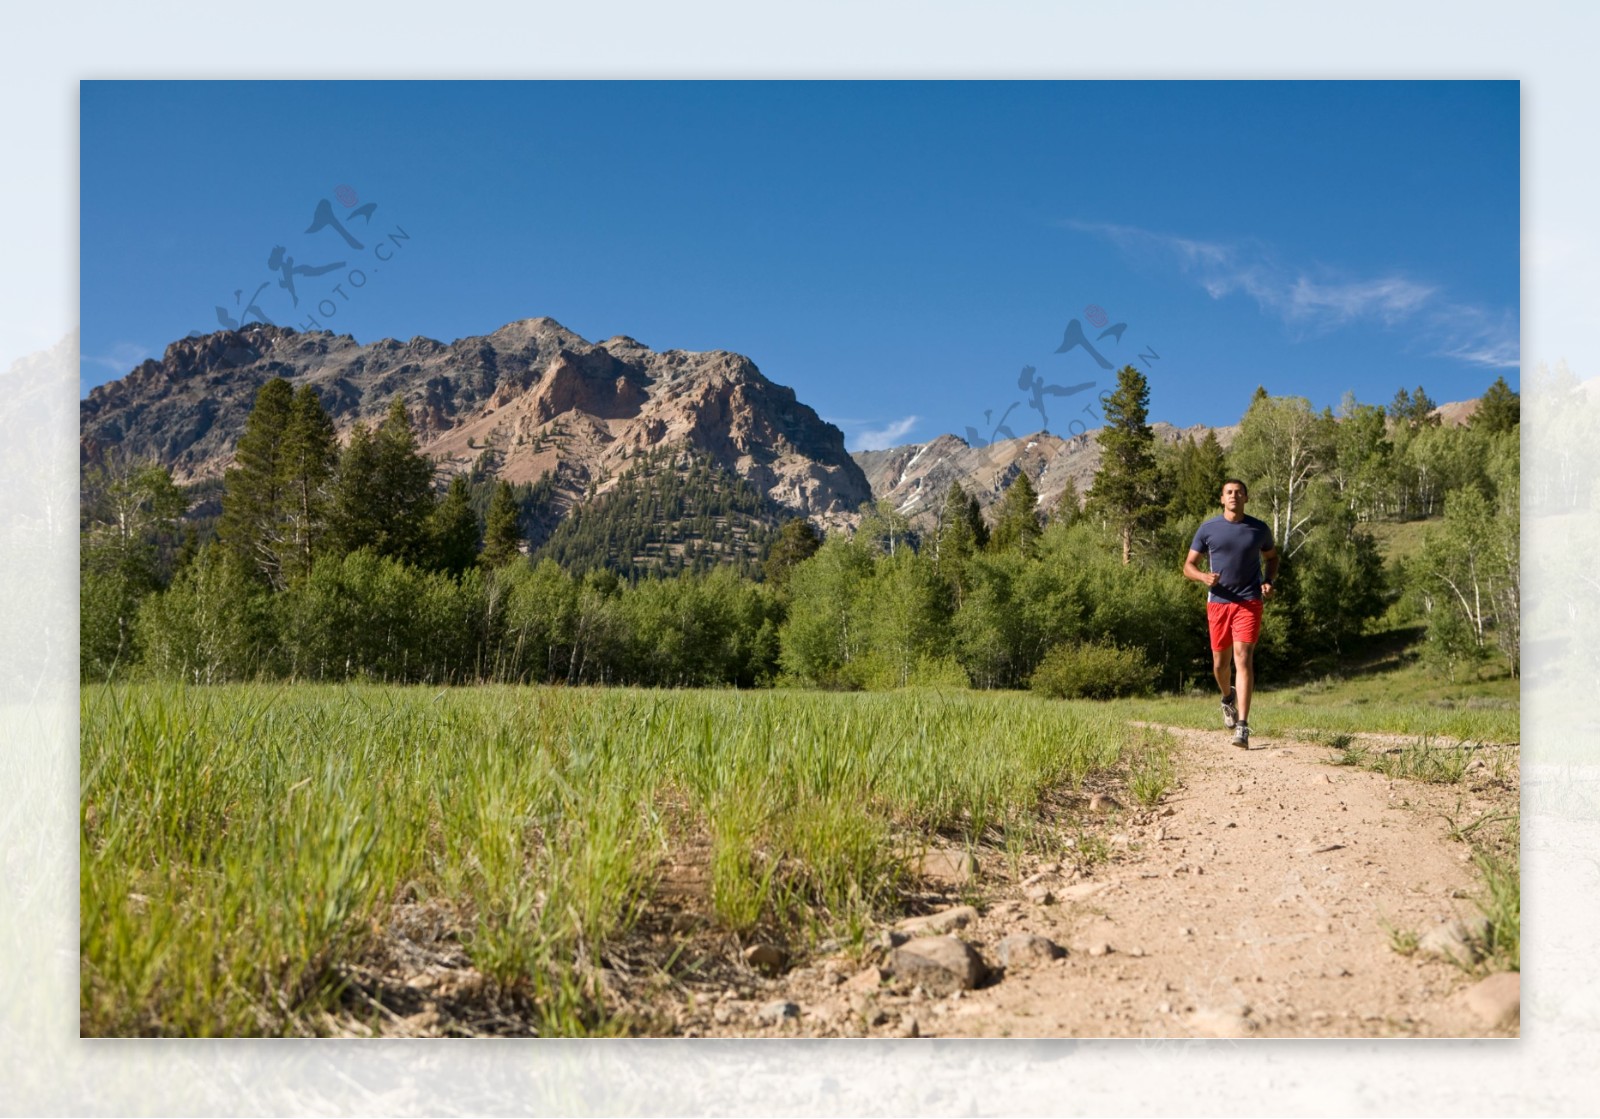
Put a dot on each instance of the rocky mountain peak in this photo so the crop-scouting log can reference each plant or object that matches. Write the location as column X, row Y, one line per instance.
column 527, row 399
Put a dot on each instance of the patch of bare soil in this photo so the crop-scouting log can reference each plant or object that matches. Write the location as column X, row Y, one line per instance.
column 1264, row 896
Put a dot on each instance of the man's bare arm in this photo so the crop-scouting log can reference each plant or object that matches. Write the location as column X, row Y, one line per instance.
column 1272, row 557
column 1190, row 571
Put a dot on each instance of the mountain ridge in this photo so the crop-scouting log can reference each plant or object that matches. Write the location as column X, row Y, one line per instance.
column 532, row 395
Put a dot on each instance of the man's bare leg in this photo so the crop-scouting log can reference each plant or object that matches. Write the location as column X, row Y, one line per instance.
column 1244, row 671
column 1222, row 669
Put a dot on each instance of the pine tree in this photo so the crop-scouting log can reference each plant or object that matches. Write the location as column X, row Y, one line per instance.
column 502, row 531
column 1414, row 409
column 310, row 454
column 1068, row 510
column 1194, row 479
column 453, row 529
column 1499, row 409
column 1124, row 486
column 962, row 531
column 797, row 542
column 253, row 525
column 961, row 535
column 1016, row 525
column 384, row 491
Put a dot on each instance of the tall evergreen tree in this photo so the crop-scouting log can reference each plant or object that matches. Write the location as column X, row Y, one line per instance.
column 962, row 531
column 1124, row 486
column 1193, row 479
column 502, row 533
column 453, row 529
column 253, row 525
column 1413, row 409
column 310, row 454
column 1499, row 409
column 384, row 490
column 797, row 542
column 1069, row 507
column 1016, row 525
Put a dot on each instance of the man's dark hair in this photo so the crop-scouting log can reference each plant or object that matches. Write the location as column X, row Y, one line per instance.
column 1226, row 482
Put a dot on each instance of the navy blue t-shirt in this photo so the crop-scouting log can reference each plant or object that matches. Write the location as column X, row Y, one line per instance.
column 1234, row 548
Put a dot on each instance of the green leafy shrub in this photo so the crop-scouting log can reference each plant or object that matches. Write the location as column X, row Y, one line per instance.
column 1093, row 671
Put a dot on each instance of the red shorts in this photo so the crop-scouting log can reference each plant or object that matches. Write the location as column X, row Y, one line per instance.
column 1233, row 622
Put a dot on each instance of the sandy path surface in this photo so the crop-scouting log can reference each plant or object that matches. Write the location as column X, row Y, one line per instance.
column 1256, row 900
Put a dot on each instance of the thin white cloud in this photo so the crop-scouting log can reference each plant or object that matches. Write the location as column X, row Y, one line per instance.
column 860, row 435
column 1320, row 303
column 121, row 358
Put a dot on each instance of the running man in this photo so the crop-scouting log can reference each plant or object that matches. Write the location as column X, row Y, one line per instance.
column 1233, row 544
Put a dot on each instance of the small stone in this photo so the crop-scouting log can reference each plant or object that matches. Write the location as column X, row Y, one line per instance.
column 767, row 957
column 1136, row 951
column 946, row 866
column 1163, row 1008
column 1497, row 1000
column 777, row 1012
column 867, row 1009
column 869, row 980
column 1098, row 948
column 909, row 1026
column 892, row 938
column 941, row 964
column 1081, row 891
column 945, row 921
column 1456, row 940
column 1103, row 802
column 1168, row 811
column 1220, row 1023
column 1040, row 892
column 1025, row 949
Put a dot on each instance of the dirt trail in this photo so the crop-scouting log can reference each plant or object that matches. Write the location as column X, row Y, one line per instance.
column 1256, row 900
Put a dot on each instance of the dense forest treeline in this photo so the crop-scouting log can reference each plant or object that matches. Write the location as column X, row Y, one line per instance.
column 322, row 563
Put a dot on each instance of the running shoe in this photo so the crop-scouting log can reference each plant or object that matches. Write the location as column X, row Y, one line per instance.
column 1241, row 736
column 1230, row 713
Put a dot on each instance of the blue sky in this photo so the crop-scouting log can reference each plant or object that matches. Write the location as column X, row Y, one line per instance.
column 895, row 252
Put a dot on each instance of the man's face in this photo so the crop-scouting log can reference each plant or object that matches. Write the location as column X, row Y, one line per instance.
column 1233, row 497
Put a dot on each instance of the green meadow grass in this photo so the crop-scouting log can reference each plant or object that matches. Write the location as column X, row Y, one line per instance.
column 1406, row 700
column 241, row 845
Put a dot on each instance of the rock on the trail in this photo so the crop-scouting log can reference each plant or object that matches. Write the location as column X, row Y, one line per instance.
column 1221, row 1023
column 765, row 956
column 1042, row 893
column 776, row 1012
column 1024, row 949
column 1497, row 1000
column 940, row 964
column 946, row 866
column 1456, row 940
column 866, row 1008
column 1103, row 802
column 892, row 938
column 1098, row 948
column 948, row 920
column 869, row 980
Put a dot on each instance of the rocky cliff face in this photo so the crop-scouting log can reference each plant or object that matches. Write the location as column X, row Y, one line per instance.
column 916, row 477
column 532, row 394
